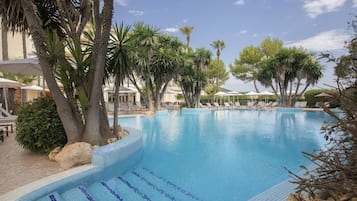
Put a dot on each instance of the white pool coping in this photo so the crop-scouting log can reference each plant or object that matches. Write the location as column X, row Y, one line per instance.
column 28, row 188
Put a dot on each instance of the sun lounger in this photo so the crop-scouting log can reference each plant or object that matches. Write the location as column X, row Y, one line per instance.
column 227, row 105
column 300, row 104
column 261, row 104
column 251, row 104
column 7, row 120
column 216, row 105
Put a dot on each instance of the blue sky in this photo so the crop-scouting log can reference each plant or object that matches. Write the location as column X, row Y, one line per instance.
column 317, row 25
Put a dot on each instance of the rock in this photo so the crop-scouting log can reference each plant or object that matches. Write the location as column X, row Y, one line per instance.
column 344, row 198
column 111, row 140
column 53, row 153
column 122, row 134
column 78, row 153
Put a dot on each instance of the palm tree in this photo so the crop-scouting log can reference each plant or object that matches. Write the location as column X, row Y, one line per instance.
column 290, row 67
column 218, row 45
column 187, row 30
column 119, row 63
column 202, row 59
column 145, row 39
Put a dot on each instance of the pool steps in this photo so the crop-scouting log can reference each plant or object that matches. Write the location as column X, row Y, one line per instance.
column 136, row 184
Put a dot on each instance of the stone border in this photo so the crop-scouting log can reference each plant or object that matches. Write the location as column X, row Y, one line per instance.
column 104, row 156
column 108, row 155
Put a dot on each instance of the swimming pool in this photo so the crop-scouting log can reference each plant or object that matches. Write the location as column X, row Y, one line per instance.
column 211, row 155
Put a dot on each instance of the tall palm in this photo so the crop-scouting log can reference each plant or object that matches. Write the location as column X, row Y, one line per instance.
column 187, row 30
column 219, row 45
column 202, row 59
column 119, row 63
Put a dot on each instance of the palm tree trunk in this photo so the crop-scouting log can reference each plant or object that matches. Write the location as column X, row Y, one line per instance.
column 92, row 133
column 116, row 106
column 4, row 42
column 255, row 85
column 217, row 70
column 149, row 95
column 24, row 46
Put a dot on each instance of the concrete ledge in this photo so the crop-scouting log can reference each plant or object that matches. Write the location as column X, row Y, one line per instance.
column 108, row 155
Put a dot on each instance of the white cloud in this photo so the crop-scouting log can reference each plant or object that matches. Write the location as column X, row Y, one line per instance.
column 186, row 20
column 122, row 2
column 136, row 12
column 354, row 3
column 314, row 8
column 171, row 29
column 243, row 32
column 239, row 2
column 324, row 41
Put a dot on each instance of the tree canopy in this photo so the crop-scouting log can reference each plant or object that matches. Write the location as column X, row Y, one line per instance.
column 289, row 73
column 247, row 67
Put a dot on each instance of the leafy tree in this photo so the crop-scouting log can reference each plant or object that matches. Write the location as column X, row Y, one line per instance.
column 247, row 67
column 155, row 63
column 288, row 71
column 193, row 75
column 55, row 26
column 214, row 69
column 219, row 45
column 271, row 47
column 119, row 64
column 187, row 30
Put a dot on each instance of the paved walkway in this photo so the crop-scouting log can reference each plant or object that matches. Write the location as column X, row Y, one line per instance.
column 19, row 167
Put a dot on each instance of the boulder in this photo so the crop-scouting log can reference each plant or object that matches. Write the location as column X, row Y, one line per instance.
column 54, row 153
column 78, row 153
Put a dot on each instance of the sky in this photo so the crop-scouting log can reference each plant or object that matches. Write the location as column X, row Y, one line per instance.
column 316, row 25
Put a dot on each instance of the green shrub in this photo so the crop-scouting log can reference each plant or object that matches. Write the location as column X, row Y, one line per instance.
column 38, row 126
column 311, row 99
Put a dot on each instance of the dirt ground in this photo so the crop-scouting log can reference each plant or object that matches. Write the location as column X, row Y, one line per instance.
column 19, row 167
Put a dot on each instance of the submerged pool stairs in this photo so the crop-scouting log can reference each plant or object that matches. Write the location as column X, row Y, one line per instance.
column 137, row 184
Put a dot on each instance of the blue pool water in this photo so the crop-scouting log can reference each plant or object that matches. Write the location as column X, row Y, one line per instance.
column 214, row 155
column 227, row 155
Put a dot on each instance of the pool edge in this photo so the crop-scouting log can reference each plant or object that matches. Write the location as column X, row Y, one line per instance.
column 127, row 147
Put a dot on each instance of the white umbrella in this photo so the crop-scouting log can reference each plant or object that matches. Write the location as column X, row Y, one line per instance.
column 234, row 93
column 28, row 66
column 6, row 83
column 221, row 93
column 252, row 93
column 323, row 94
column 266, row 93
column 33, row 87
